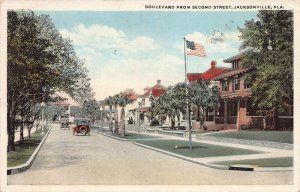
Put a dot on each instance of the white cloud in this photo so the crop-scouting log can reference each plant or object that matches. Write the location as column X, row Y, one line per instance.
column 218, row 43
column 118, row 75
column 104, row 37
column 137, row 62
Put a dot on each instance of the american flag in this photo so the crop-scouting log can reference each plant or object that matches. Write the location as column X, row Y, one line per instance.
column 195, row 49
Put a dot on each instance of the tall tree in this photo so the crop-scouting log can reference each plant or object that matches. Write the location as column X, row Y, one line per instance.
column 268, row 48
column 91, row 107
column 203, row 96
column 108, row 101
column 40, row 63
column 122, row 102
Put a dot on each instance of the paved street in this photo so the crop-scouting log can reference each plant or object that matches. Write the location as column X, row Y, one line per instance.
column 97, row 159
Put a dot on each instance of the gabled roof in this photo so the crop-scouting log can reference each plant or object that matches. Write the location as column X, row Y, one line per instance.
column 212, row 72
column 157, row 90
column 131, row 94
column 209, row 74
column 193, row 76
column 231, row 59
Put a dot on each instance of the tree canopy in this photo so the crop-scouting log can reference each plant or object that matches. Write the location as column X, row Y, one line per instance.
column 40, row 63
column 268, row 48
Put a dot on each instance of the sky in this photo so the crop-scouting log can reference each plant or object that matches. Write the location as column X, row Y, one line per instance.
column 135, row 49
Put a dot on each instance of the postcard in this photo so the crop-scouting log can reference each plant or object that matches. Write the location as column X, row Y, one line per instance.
column 149, row 96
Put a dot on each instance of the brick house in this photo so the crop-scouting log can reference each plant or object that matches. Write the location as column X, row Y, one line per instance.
column 208, row 75
column 236, row 110
column 235, row 95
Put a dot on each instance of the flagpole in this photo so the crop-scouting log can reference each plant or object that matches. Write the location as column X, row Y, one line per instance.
column 186, row 96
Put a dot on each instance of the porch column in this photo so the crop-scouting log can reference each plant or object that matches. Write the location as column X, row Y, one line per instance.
column 238, row 114
column 225, row 112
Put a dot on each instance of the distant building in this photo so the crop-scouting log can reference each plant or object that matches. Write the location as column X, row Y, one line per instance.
column 64, row 115
column 144, row 106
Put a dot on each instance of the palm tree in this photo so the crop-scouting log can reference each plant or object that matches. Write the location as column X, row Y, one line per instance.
column 108, row 102
column 122, row 102
column 115, row 102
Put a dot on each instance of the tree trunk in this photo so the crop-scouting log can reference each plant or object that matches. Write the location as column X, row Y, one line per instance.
column 172, row 122
column 202, row 119
column 11, row 125
column 116, row 126
column 275, row 125
column 189, row 127
column 110, row 120
column 198, row 118
column 123, row 122
column 22, row 130
column 11, row 135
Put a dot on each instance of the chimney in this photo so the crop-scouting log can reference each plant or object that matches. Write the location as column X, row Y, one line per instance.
column 158, row 81
column 213, row 64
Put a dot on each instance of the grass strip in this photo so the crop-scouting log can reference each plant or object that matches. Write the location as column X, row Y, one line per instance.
column 271, row 136
column 181, row 147
column 268, row 162
column 24, row 151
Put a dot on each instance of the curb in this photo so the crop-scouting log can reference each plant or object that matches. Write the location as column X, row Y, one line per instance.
column 120, row 139
column 27, row 165
column 222, row 167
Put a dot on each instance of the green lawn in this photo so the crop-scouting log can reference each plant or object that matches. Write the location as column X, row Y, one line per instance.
column 269, row 162
column 272, row 136
column 133, row 136
column 199, row 149
column 24, row 151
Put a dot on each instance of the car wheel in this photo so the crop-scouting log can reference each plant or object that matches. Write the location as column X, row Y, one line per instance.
column 83, row 129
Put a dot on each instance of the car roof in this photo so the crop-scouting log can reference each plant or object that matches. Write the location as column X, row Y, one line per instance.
column 82, row 119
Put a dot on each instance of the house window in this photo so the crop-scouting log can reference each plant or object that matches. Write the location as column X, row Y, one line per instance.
column 235, row 64
column 224, row 85
column 246, row 84
column 236, row 82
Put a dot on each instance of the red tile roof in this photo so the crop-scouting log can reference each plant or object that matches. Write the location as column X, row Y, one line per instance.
column 209, row 74
column 193, row 76
column 157, row 90
column 131, row 94
column 212, row 72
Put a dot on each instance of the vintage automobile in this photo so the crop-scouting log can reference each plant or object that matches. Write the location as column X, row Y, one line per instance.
column 64, row 121
column 82, row 126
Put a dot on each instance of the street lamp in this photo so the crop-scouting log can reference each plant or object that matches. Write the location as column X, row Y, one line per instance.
column 139, row 100
column 43, row 106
